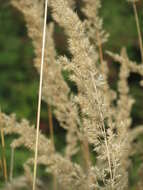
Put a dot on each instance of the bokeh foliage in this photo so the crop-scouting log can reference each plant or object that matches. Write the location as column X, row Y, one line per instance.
column 18, row 78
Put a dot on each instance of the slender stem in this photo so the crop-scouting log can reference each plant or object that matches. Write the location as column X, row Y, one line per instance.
column 51, row 126
column 138, row 30
column 53, row 142
column 0, row 163
column 40, row 96
column 99, row 47
column 4, row 164
column 11, row 164
column 86, row 154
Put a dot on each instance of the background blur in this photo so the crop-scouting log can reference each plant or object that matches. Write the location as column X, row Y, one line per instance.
column 19, row 79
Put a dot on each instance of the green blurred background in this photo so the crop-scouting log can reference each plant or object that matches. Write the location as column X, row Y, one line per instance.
column 19, row 79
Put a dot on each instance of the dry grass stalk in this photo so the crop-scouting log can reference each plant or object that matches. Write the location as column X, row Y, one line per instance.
column 3, row 161
column 99, row 47
column 51, row 128
column 11, row 164
column 40, row 96
column 138, row 29
column 86, row 153
column 138, row 26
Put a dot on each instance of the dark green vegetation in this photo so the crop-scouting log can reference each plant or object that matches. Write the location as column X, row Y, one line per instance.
column 18, row 78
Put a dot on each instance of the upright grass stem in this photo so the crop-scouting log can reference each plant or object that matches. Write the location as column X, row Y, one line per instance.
column 86, row 153
column 51, row 126
column 99, row 47
column 51, row 129
column 40, row 96
column 138, row 29
column 11, row 164
column 4, row 163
